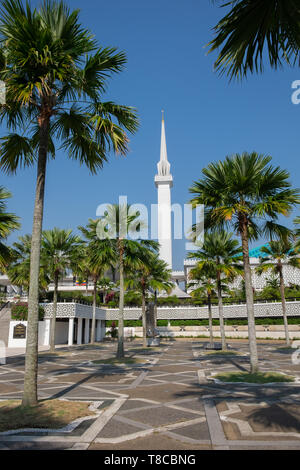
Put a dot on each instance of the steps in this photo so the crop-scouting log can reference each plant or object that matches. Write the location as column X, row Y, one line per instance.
column 5, row 317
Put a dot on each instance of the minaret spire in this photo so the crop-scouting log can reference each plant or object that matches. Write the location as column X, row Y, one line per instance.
column 163, row 166
column 164, row 183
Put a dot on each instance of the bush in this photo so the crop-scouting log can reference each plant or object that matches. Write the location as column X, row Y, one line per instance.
column 19, row 312
column 113, row 333
column 169, row 301
column 67, row 296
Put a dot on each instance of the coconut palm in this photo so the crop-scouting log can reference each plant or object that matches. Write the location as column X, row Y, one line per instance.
column 274, row 255
column 99, row 255
column 248, row 193
column 219, row 256
column 255, row 30
column 117, row 223
column 55, row 75
column 8, row 223
column 153, row 273
column 203, row 284
column 60, row 251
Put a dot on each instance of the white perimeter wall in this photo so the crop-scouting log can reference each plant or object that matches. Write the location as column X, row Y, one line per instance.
column 240, row 331
column 44, row 329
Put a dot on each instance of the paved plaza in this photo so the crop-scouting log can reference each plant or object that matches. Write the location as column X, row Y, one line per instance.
column 166, row 400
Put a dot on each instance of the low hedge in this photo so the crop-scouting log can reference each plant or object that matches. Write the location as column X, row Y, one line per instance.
column 19, row 312
column 204, row 322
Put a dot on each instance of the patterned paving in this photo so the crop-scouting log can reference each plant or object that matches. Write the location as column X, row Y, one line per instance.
column 166, row 401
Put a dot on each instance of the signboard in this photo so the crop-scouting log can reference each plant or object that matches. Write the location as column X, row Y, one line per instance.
column 19, row 331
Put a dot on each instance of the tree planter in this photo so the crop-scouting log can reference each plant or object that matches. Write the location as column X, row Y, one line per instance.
column 153, row 342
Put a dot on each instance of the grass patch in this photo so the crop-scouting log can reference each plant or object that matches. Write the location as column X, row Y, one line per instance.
column 52, row 414
column 145, row 351
column 258, row 378
column 114, row 361
column 226, row 352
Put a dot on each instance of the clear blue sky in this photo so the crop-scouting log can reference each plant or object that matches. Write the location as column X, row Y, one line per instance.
column 206, row 117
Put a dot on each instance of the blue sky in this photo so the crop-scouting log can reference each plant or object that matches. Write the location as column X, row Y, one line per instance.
column 206, row 117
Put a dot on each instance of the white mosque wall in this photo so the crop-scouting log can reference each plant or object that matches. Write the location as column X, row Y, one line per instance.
column 21, row 342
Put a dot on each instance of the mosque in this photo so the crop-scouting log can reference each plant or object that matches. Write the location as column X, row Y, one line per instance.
column 164, row 183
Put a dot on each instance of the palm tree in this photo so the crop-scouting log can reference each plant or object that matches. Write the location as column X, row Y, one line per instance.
column 204, row 284
column 248, row 193
column 219, row 256
column 153, row 273
column 275, row 254
column 98, row 257
column 55, row 75
column 19, row 268
column 8, row 223
column 254, row 30
column 297, row 231
column 60, row 250
column 116, row 224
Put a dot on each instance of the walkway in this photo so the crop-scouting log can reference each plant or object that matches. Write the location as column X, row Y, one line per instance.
column 167, row 401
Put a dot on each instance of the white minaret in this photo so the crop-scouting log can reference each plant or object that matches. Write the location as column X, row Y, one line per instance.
column 164, row 183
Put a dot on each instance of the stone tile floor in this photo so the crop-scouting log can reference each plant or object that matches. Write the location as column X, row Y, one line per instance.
column 166, row 402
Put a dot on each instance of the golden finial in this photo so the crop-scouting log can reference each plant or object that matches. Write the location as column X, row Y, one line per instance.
column 163, row 118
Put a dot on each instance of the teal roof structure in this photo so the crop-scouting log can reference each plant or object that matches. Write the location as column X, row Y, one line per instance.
column 257, row 253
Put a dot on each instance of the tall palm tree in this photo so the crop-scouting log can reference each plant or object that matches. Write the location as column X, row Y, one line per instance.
column 255, row 30
column 55, row 75
column 248, row 193
column 220, row 256
column 275, row 254
column 153, row 273
column 99, row 255
column 60, row 251
column 8, row 223
column 204, row 285
column 116, row 225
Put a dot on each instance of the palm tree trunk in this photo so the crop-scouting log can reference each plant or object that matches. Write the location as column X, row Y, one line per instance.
column 221, row 312
column 282, row 293
column 144, row 318
column 249, row 300
column 155, row 310
column 93, row 337
column 54, row 310
column 211, row 335
column 31, row 358
column 120, row 351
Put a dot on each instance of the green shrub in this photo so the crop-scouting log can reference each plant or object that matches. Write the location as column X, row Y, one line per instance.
column 19, row 312
column 113, row 332
column 204, row 322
